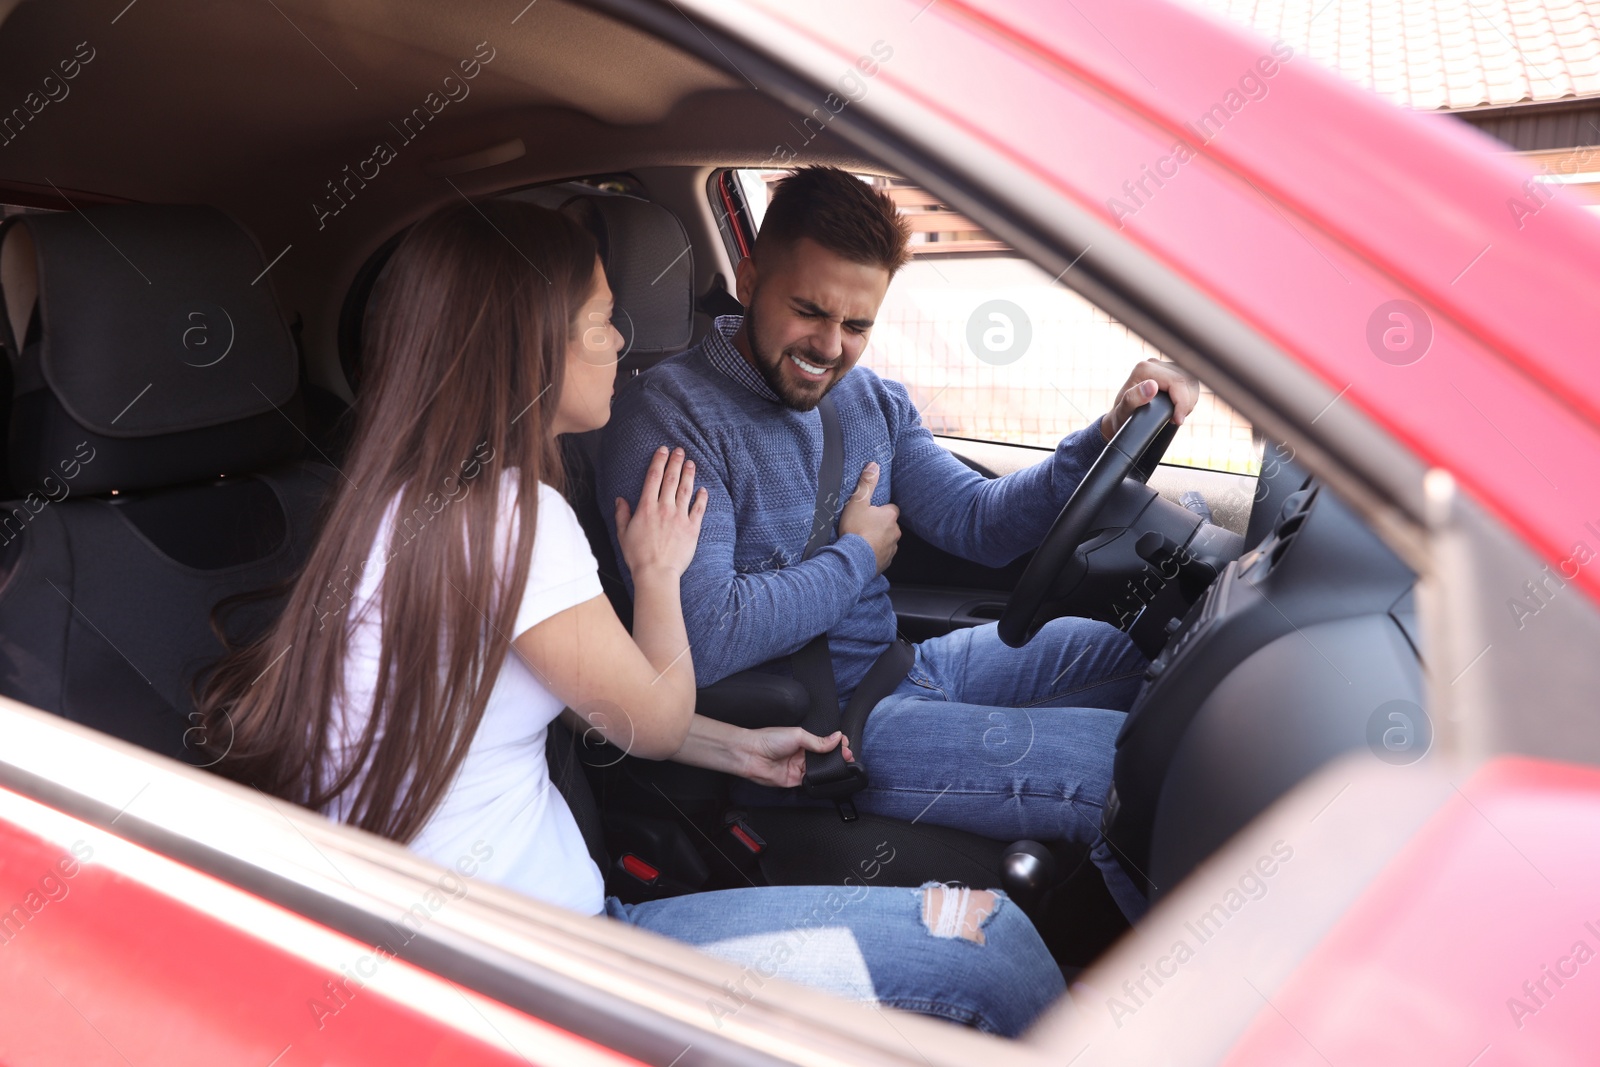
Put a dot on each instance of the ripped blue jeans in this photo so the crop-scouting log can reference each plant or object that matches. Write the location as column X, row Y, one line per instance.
column 969, row 957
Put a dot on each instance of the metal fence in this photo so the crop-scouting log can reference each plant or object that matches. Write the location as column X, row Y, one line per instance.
column 1063, row 369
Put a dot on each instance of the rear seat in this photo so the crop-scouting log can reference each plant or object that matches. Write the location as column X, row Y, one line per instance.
column 155, row 423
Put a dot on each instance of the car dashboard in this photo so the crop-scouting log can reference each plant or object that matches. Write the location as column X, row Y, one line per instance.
column 1302, row 649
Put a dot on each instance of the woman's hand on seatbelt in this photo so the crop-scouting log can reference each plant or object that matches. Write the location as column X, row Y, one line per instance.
column 777, row 755
column 773, row 756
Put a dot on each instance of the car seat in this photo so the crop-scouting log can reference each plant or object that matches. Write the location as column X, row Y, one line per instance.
column 670, row 828
column 155, row 425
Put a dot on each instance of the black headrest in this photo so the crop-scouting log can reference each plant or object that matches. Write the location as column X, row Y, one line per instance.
column 146, row 336
column 650, row 267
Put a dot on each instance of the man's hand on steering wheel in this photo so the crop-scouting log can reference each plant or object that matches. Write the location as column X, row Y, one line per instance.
column 1143, row 433
column 1148, row 378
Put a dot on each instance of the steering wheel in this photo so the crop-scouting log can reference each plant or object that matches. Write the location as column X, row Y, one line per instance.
column 1135, row 450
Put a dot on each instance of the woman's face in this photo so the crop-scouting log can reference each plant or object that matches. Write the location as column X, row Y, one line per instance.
column 592, row 355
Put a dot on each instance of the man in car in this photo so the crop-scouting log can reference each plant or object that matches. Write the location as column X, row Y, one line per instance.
column 1009, row 743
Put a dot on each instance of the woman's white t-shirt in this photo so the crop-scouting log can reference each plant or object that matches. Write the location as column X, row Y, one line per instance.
column 502, row 811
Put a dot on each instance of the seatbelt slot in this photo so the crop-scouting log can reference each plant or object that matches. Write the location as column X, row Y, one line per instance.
column 747, row 837
column 640, row 869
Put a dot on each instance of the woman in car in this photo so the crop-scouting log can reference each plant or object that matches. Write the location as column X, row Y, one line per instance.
column 451, row 609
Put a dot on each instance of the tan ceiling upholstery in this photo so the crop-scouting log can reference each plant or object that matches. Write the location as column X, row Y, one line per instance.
column 181, row 91
column 260, row 107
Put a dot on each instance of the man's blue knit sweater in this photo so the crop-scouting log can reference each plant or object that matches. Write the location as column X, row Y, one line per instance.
column 749, row 597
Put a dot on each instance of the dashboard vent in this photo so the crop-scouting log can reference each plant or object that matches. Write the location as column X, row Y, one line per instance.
column 1295, row 510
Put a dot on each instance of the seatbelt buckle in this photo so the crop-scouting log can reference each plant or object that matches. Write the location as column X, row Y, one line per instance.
column 842, row 786
column 742, row 832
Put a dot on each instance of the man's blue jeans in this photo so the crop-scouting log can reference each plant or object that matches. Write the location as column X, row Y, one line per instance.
column 1006, row 742
column 875, row 944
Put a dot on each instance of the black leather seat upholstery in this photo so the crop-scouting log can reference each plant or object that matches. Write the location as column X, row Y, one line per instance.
column 155, row 425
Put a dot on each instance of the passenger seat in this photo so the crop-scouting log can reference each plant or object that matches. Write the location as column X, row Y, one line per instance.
column 155, row 421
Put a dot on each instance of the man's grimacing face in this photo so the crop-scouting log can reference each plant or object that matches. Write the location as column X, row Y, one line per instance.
column 808, row 315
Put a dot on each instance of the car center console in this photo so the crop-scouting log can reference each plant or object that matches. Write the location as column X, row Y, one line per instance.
column 1278, row 668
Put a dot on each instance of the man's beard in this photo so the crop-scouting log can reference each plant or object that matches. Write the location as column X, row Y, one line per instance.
column 771, row 369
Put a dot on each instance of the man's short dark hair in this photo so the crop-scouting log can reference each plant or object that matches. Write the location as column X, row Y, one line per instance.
column 841, row 213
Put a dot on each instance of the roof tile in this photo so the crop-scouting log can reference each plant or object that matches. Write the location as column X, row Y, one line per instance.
column 1441, row 54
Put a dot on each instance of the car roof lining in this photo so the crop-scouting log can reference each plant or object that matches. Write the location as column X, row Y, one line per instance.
column 261, row 111
column 232, row 85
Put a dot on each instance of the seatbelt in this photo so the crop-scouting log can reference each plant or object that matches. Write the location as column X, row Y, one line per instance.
column 829, row 776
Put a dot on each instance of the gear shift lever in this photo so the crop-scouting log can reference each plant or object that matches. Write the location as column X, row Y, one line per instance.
column 1026, row 872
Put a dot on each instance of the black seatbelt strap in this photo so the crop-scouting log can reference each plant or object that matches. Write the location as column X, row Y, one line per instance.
column 829, row 776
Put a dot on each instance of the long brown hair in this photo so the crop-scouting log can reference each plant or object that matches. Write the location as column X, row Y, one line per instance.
column 464, row 349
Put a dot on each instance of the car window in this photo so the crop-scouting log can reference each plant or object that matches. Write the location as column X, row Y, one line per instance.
column 994, row 349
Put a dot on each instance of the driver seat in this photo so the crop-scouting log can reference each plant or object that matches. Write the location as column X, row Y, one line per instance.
column 698, row 840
